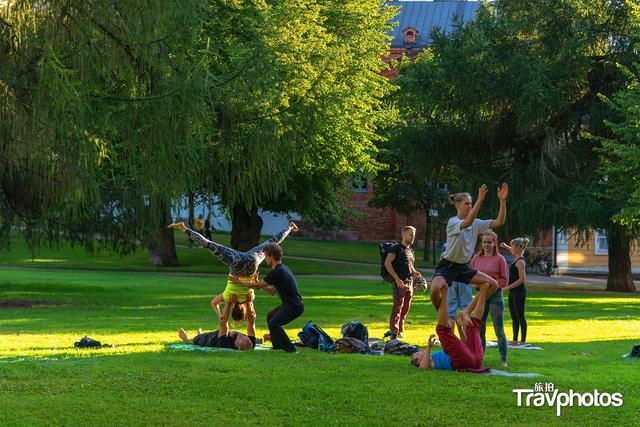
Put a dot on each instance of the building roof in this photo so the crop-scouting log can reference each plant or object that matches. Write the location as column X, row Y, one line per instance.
column 424, row 16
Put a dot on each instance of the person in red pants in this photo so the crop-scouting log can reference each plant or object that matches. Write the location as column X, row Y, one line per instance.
column 456, row 355
column 400, row 265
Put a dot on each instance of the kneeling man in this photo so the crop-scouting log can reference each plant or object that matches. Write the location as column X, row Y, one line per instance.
column 279, row 281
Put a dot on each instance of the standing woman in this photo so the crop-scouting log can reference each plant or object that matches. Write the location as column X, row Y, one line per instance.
column 491, row 263
column 462, row 235
column 517, row 288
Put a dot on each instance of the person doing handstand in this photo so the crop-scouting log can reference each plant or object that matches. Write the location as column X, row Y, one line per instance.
column 243, row 265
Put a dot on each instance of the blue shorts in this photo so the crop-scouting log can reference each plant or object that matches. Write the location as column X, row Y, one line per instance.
column 459, row 297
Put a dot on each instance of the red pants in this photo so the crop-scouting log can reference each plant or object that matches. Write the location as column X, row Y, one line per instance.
column 401, row 305
column 463, row 356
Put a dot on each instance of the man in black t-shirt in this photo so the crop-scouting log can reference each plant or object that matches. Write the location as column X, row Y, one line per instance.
column 399, row 264
column 279, row 281
column 233, row 339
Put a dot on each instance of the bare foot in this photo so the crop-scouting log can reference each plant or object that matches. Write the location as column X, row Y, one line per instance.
column 183, row 335
column 199, row 331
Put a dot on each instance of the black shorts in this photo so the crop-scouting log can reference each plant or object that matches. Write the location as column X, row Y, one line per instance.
column 454, row 272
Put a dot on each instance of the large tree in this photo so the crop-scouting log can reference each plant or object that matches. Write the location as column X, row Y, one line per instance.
column 299, row 112
column 508, row 97
column 102, row 119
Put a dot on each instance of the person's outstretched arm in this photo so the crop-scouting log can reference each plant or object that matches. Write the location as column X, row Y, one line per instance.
column 227, row 255
column 482, row 193
column 255, row 284
column 278, row 238
column 215, row 303
column 503, row 191
column 427, row 362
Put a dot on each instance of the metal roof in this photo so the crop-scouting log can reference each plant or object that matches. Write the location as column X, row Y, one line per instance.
column 424, row 16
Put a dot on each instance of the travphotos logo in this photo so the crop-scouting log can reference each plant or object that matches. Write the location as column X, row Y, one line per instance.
column 546, row 394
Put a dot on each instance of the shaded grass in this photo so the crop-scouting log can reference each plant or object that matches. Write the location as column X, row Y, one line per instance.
column 45, row 381
column 192, row 260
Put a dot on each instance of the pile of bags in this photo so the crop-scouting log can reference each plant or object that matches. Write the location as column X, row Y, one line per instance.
column 355, row 339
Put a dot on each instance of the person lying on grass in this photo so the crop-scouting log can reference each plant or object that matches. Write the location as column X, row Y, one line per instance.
column 243, row 265
column 455, row 354
column 234, row 340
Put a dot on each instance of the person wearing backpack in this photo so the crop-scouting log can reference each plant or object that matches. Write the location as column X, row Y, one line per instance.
column 281, row 281
column 399, row 264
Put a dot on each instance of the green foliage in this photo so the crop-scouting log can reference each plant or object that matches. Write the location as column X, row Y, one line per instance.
column 620, row 154
column 102, row 117
column 507, row 97
column 300, row 111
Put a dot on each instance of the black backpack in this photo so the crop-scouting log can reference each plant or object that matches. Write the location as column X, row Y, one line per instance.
column 87, row 342
column 635, row 351
column 313, row 336
column 385, row 249
column 357, row 330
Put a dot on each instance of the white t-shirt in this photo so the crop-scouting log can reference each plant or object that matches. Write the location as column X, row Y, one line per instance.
column 461, row 243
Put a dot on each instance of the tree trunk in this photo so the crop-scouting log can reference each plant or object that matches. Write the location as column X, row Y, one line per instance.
column 245, row 228
column 425, row 255
column 161, row 245
column 620, row 278
column 192, row 216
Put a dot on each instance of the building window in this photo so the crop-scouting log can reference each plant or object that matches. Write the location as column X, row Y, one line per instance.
column 410, row 35
column 360, row 185
column 601, row 243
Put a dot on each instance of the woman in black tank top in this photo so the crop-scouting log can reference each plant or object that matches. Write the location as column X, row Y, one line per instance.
column 517, row 289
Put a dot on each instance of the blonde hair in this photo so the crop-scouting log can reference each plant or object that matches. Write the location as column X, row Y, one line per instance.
column 519, row 243
column 456, row 198
column 494, row 237
column 406, row 228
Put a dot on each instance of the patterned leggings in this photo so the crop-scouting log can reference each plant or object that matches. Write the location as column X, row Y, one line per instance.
column 240, row 263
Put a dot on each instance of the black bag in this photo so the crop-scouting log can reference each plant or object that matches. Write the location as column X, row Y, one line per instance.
column 314, row 336
column 87, row 342
column 350, row 345
column 399, row 348
column 635, row 351
column 357, row 330
column 385, row 249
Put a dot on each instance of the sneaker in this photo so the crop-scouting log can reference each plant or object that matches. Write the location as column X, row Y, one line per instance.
column 391, row 335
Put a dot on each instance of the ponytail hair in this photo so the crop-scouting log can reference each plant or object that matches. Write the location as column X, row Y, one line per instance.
column 520, row 243
column 456, row 198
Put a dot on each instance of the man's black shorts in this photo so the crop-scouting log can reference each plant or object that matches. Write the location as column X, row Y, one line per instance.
column 454, row 272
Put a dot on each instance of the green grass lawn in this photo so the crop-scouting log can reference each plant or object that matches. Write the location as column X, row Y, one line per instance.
column 193, row 260
column 44, row 381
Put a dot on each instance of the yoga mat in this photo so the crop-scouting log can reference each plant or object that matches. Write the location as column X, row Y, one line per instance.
column 191, row 347
column 512, row 374
column 494, row 344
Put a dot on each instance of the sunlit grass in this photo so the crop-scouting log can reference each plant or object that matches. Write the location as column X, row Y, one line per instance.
column 45, row 380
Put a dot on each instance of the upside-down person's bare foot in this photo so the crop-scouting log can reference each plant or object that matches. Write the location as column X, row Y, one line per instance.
column 183, row 335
